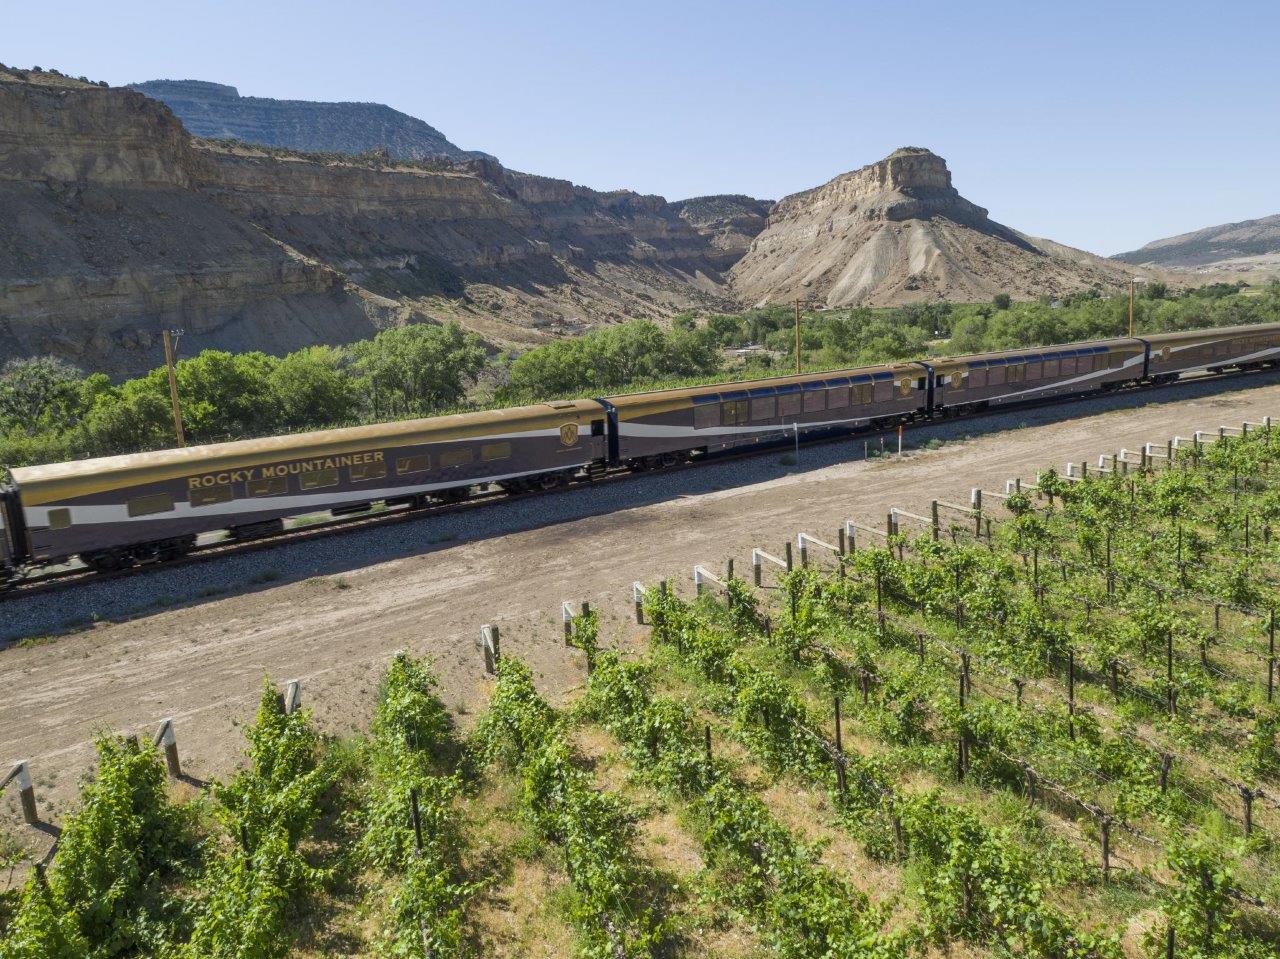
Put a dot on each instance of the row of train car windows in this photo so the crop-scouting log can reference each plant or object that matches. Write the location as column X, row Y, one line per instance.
column 1036, row 370
column 316, row 479
column 741, row 412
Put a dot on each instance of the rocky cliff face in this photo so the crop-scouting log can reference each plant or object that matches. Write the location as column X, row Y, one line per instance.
column 217, row 111
column 105, row 239
column 729, row 221
column 898, row 231
column 1250, row 248
column 115, row 223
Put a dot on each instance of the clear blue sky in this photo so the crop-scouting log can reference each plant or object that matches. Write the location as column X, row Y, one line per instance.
column 1102, row 125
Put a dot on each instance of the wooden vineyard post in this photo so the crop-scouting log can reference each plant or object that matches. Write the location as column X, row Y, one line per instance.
column 415, row 815
column 1173, row 693
column 490, row 644
column 842, row 540
column 936, row 524
column 728, row 570
column 20, row 775
column 566, row 621
column 706, row 742
column 166, row 738
column 1104, row 823
column 1247, row 796
column 1166, row 760
column 1170, row 942
column 1271, row 657
column 787, row 556
column 637, row 597
column 292, row 698
column 975, row 499
column 1071, row 692
column 962, row 748
column 839, row 758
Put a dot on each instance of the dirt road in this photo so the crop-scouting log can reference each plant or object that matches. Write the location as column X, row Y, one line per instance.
column 194, row 644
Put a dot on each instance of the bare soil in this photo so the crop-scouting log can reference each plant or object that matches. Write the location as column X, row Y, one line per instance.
column 332, row 612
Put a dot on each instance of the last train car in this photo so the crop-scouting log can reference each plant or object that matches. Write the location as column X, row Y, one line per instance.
column 1198, row 351
column 120, row 510
column 966, row 383
column 666, row 426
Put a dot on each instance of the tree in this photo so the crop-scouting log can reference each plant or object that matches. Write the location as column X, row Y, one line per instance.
column 418, row 369
column 40, row 394
column 1002, row 301
column 311, row 387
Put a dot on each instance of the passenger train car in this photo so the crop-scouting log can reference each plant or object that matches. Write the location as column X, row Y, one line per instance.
column 123, row 510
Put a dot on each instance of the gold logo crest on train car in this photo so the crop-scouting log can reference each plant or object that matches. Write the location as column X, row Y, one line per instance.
column 569, row 434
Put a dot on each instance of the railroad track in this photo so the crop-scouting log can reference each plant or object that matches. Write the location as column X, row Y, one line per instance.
column 203, row 552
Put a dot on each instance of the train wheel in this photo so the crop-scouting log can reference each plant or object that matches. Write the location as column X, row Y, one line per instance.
column 549, row 481
column 668, row 460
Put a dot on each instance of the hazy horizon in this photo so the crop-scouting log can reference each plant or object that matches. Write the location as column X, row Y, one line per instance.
column 1104, row 126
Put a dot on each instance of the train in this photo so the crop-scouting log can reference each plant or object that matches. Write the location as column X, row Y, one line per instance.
column 120, row 511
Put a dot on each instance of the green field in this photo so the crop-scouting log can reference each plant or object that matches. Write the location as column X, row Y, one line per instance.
column 1058, row 739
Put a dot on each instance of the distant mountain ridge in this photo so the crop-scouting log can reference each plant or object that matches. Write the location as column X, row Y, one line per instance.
column 1244, row 247
column 218, row 111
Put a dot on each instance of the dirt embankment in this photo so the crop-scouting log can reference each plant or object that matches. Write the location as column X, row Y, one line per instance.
column 194, row 643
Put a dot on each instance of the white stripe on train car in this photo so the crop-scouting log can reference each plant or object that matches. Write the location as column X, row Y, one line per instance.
column 657, row 430
column 101, row 513
column 1131, row 361
column 1205, row 364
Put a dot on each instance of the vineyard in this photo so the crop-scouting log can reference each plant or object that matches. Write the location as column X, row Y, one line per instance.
column 1047, row 726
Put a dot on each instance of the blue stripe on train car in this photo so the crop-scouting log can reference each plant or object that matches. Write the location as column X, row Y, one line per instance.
column 706, row 398
column 761, row 391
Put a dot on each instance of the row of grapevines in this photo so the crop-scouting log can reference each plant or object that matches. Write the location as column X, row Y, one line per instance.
column 804, row 908
column 105, row 894
column 612, row 908
column 980, row 883
column 423, row 918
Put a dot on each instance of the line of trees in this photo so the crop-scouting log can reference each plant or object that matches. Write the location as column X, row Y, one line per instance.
column 52, row 411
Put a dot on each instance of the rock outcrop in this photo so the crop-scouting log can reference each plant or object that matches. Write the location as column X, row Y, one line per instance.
column 116, row 223
column 217, row 111
column 730, row 221
column 1250, row 248
column 897, row 231
column 106, row 238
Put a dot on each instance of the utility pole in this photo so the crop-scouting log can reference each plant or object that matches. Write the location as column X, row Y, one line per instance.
column 798, row 338
column 1132, row 283
column 169, row 352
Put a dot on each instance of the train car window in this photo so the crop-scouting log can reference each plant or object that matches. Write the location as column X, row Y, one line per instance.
column 318, row 479
column 1017, row 374
column 270, row 486
column 995, row 375
column 883, row 391
column 789, row 404
column 862, row 394
column 706, row 415
column 1050, row 368
column 210, row 495
column 838, row 398
column 815, row 401
column 764, row 408
column 459, row 457
column 734, row 412
column 597, row 427
column 155, row 503
column 413, row 464
column 495, row 451
column 368, row 471
column 59, row 518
